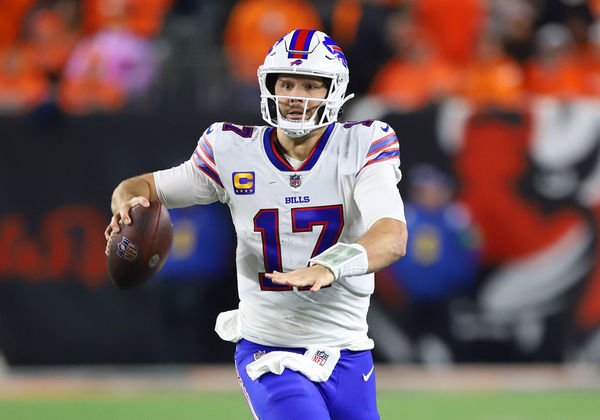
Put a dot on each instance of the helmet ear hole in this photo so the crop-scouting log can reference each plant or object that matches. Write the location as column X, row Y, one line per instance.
column 272, row 108
column 270, row 81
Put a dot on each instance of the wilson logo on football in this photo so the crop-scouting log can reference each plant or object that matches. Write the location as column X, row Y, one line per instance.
column 127, row 250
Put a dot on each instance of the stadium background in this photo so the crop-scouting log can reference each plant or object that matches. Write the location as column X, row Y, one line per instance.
column 496, row 107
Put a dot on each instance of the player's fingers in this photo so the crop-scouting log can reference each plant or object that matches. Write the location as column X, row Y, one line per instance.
column 112, row 227
column 275, row 277
column 124, row 213
column 287, row 279
column 126, row 207
column 114, row 222
column 315, row 287
column 107, row 232
column 138, row 200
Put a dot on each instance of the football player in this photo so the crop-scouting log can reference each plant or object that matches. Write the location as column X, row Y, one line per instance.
column 316, row 211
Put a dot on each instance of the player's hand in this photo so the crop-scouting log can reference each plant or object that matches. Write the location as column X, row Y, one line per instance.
column 122, row 214
column 316, row 276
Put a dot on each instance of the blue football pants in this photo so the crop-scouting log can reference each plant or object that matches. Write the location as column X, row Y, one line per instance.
column 348, row 394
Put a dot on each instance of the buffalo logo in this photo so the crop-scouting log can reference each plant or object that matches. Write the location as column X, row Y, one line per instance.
column 296, row 62
column 335, row 50
column 295, row 180
column 127, row 250
column 274, row 45
column 320, row 357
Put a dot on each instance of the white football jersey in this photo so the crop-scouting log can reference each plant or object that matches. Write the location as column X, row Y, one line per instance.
column 284, row 216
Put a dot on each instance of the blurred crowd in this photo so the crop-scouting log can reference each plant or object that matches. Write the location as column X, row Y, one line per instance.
column 82, row 56
column 87, row 56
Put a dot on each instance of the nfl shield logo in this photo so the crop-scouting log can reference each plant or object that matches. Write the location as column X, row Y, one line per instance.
column 127, row 250
column 320, row 357
column 295, row 181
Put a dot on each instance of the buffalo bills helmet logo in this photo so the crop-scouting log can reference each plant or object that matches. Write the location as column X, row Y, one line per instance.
column 296, row 62
column 335, row 50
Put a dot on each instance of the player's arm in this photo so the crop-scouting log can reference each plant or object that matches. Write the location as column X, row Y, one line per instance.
column 140, row 189
column 384, row 243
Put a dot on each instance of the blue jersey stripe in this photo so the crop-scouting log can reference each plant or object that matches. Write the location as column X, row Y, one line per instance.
column 207, row 150
column 385, row 155
column 382, row 143
column 201, row 164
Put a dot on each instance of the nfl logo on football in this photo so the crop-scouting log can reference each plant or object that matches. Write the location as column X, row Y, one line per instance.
column 295, row 181
column 127, row 250
column 320, row 357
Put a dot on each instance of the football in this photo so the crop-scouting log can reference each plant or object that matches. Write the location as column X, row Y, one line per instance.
column 139, row 250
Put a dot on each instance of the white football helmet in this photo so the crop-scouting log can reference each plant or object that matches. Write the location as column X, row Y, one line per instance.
column 311, row 53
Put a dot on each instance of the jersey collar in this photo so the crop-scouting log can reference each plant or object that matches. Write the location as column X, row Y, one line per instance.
column 279, row 161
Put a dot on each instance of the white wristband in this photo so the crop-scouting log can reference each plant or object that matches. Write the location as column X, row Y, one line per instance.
column 343, row 260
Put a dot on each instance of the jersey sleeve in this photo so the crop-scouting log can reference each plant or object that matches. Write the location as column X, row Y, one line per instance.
column 195, row 181
column 377, row 196
column 204, row 155
column 384, row 147
column 376, row 193
column 184, row 186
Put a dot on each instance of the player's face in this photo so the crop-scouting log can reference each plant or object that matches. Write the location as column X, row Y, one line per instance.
column 301, row 86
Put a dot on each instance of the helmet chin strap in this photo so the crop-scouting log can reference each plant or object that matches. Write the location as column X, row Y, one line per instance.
column 295, row 133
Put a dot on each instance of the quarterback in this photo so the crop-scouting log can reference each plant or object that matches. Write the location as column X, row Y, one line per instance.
column 316, row 212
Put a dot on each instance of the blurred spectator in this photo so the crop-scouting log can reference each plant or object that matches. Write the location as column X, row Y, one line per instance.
column 492, row 78
column 452, row 26
column 415, row 75
column 514, row 21
column 253, row 27
column 591, row 63
column 442, row 260
column 555, row 69
column 345, row 20
column 595, row 8
column 22, row 85
column 142, row 17
column 116, row 57
column 51, row 41
column 369, row 50
column 89, row 91
column 12, row 13
column 562, row 11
